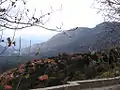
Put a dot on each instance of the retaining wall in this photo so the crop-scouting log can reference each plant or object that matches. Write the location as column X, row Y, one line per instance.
column 95, row 84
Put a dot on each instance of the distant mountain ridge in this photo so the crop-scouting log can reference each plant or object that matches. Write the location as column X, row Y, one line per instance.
column 104, row 36
column 13, row 50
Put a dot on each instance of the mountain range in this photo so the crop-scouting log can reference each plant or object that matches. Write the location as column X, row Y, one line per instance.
column 81, row 39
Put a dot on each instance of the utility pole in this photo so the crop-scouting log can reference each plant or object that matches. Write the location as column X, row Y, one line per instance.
column 19, row 54
column 20, row 46
column 30, row 47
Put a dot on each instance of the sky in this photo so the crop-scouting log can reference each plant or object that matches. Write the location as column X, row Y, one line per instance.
column 74, row 13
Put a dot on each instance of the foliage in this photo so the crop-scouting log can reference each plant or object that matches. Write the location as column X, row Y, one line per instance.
column 58, row 70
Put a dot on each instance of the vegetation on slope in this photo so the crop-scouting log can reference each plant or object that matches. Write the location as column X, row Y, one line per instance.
column 58, row 70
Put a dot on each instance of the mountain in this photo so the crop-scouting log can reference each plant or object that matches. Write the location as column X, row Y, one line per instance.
column 24, row 42
column 14, row 50
column 82, row 39
column 79, row 66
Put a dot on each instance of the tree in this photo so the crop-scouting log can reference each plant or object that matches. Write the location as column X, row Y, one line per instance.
column 109, row 8
column 15, row 15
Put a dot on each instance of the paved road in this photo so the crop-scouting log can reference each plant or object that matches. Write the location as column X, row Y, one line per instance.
column 113, row 87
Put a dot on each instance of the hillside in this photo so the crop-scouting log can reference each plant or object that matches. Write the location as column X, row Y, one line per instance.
column 104, row 36
column 58, row 70
column 9, row 62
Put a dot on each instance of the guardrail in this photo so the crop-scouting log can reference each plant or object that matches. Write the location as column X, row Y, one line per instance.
column 113, row 83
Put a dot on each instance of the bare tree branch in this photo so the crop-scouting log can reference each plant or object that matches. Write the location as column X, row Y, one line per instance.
column 20, row 17
column 109, row 8
column 16, row 16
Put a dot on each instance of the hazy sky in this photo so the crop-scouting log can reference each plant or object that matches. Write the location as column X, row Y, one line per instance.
column 75, row 13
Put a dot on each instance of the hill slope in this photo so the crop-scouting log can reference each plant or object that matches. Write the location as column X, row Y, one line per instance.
column 103, row 36
column 58, row 70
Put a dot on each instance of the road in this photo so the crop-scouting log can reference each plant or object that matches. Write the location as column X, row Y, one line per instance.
column 113, row 87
